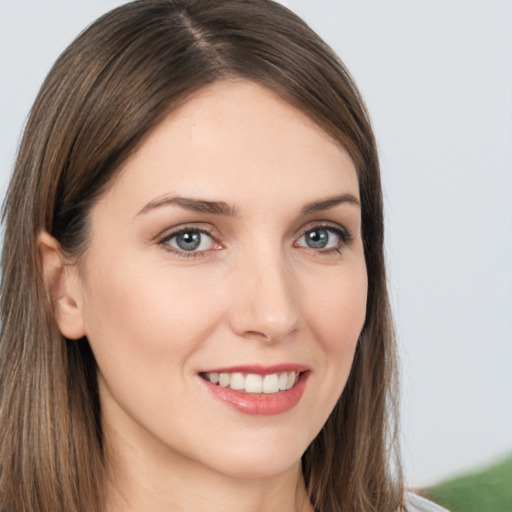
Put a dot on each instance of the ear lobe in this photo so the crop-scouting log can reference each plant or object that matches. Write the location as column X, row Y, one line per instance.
column 62, row 284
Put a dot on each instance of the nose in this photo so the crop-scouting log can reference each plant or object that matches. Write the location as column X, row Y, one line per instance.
column 263, row 299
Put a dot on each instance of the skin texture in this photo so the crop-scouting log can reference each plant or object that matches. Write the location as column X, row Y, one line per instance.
column 254, row 293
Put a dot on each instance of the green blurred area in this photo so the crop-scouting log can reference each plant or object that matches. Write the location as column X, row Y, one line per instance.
column 486, row 490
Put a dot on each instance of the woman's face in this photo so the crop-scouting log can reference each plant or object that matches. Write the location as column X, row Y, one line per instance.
column 226, row 254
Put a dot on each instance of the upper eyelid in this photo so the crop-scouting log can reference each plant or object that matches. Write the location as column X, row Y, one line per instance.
column 169, row 233
column 326, row 224
column 343, row 235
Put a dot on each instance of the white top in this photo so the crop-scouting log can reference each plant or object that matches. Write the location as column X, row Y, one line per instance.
column 416, row 503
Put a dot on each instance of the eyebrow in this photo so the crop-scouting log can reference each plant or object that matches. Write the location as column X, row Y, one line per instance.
column 223, row 208
column 331, row 202
column 196, row 205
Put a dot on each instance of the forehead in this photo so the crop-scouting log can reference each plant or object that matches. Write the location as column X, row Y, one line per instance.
column 238, row 137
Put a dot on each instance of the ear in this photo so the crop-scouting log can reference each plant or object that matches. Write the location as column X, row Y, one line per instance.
column 63, row 287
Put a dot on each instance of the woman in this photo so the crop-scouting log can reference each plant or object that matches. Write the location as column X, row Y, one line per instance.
column 194, row 300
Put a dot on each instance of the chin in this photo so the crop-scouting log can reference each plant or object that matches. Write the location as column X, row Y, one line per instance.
column 260, row 468
column 260, row 458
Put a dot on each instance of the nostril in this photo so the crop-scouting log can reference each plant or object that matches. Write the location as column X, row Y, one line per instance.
column 257, row 334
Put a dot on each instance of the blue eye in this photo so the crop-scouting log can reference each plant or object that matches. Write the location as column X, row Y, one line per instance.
column 322, row 238
column 189, row 241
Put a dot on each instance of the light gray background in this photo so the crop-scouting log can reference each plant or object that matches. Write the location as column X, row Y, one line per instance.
column 437, row 78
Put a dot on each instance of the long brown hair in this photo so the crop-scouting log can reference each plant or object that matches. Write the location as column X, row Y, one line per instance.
column 107, row 92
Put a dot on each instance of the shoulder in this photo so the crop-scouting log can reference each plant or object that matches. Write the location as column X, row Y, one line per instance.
column 415, row 503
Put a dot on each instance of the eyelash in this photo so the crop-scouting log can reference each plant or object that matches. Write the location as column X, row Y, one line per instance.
column 343, row 235
column 165, row 242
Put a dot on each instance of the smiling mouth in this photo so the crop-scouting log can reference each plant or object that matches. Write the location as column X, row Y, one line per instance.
column 254, row 383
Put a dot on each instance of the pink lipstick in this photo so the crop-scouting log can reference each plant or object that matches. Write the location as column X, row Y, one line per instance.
column 256, row 389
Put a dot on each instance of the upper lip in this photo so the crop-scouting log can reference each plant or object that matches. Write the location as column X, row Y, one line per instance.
column 260, row 369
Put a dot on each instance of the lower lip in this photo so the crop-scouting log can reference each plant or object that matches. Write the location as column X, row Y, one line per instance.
column 261, row 404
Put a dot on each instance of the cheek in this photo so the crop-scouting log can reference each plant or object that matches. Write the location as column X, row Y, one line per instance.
column 335, row 314
column 337, row 318
column 151, row 315
column 337, row 310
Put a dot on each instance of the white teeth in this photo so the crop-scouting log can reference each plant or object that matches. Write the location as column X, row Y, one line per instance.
column 291, row 380
column 224, row 380
column 237, row 381
column 271, row 383
column 254, row 383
